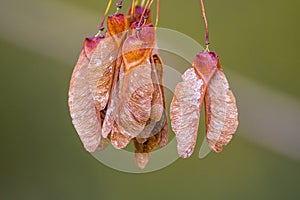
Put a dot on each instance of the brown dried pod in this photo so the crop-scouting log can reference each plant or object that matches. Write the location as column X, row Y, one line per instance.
column 142, row 150
column 85, row 117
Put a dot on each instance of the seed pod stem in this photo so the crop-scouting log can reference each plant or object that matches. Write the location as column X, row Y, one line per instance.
column 101, row 27
column 206, row 24
column 157, row 12
column 144, row 14
column 132, row 10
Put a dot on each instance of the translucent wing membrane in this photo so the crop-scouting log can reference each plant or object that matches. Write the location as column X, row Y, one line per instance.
column 163, row 123
column 110, row 116
column 137, row 89
column 135, row 104
column 185, row 111
column 101, row 69
column 157, row 104
column 84, row 115
column 221, row 112
column 103, row 61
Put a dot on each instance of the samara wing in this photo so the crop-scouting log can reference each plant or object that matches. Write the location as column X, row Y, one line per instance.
column 113, row 102
column 137, row 88
column 159, row 69
column 85, row 117
column 103, row 61
column 185, row 111
column 221, row 112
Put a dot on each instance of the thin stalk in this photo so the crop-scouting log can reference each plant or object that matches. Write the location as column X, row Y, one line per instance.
column 143, row 14
column 143, row 3
column 132, row 9
column 157, row 12
column 101, row 27
column 206, row 24
column 146, row 8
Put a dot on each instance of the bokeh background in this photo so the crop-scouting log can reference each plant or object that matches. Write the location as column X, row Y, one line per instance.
column 43, row 158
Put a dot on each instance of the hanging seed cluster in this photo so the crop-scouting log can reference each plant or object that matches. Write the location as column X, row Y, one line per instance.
column 116, row 91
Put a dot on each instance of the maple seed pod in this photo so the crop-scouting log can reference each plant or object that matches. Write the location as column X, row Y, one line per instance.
column 137, row 87
column 116, row 93
column 204, row 81
column 187, row 101
column 221, row 112
column 117, row 25
column 81, row 103
column 135, row 100
column 103, row 61
column 185, row 111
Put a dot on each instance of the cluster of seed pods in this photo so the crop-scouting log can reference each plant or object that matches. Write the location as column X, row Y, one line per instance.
column 204, row 81
column 116, row 92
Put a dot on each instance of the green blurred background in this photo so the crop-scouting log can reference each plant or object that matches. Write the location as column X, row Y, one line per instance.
column 43, row 158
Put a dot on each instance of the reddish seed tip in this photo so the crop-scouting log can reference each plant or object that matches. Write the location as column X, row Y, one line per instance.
column 90, row 43
column 205, row 64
